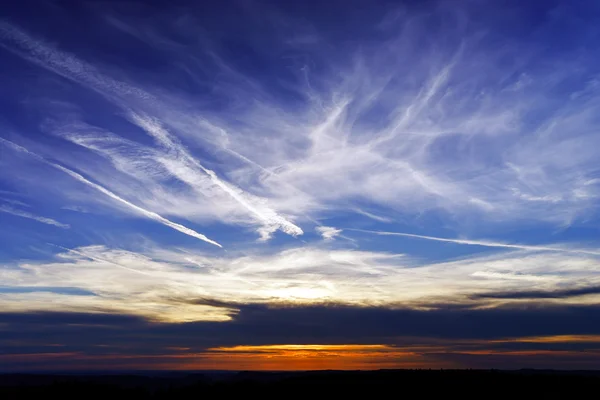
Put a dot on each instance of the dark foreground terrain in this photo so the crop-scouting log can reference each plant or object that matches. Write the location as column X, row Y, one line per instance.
column 370, row 384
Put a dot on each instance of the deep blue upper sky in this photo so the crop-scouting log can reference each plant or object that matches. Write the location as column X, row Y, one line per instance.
column 413, row 154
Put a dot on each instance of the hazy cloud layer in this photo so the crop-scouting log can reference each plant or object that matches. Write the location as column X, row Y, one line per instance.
column 169, row 285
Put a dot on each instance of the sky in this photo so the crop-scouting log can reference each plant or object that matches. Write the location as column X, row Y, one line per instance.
column 270, row 185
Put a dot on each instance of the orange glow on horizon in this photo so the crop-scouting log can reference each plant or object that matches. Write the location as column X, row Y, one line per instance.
column 291, row 357
column 305, row 347
column 553, row 339
column 302, row 357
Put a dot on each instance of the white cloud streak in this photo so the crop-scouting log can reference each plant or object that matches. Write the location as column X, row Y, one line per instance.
column 265, row 215
column 62, row 63
column 85, row 74
column 147, row 213
column 25, row 214
column 483, row 243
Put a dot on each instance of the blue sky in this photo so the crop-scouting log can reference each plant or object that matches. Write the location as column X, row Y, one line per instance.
column 386, row 155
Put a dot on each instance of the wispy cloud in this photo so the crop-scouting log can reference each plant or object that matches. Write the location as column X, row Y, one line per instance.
column 20, row 213
column 378, row 218
column 327, row 232
column 483, row 243
column 268, row 217
column 368, row 128
column 149, row 214
column 173, row 284
column 62, row 63
column 181, row 163
column 15, row 202
column 76, row 208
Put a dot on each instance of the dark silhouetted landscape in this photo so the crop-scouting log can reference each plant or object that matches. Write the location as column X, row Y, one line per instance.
column 382, row 383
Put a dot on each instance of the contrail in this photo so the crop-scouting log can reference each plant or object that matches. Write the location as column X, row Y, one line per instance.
column 147, row 213
column 483, row 243
column 63, row 63
column 143, row 211
column 265, row 215
column 25, row 214
column 79, row 71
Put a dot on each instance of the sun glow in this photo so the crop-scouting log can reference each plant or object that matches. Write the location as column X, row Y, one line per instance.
column 306, row 347
column 314, row 356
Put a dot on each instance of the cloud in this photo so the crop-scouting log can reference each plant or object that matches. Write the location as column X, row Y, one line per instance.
column 185, row 172
column 187, row 285
column 64, row 64
column 76, row 208
column 483, row 243
column 146, row 213
column 25, row 214
column 352, row 124
column 327, row 232
column 149, row 214
column 541, row 294
column 518, row 335
column 15, row 202
column 372, row 216
column 181, row 164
